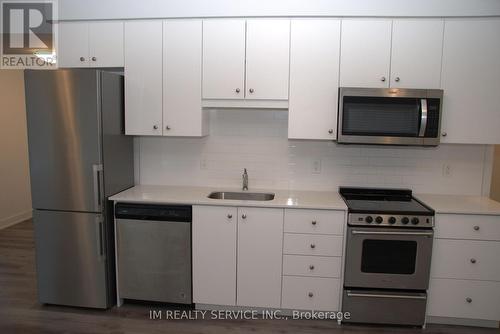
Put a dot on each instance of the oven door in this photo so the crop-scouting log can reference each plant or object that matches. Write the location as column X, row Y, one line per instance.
column 388, row 258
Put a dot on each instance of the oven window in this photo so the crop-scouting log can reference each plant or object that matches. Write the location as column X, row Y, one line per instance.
column 389, row 256
column 381, row 116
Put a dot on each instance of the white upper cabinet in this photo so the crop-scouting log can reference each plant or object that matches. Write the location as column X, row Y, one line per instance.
column 260, row 240
column 267, row 59
column 182, row 46
column 416, row 53
column 143, row 78
column 73, row 48
column 90, row 44
column 106, row 44
column 224, row 59
column 365, row 53
column 314, row 77
column 471, row 81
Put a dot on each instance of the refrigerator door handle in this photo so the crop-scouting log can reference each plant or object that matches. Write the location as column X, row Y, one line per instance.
column 100, row 235
column 97, row 173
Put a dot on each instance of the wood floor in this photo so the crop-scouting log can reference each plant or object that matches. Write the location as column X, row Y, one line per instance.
column 21, row 313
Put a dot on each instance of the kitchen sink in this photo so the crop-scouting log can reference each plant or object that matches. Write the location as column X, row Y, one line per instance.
column 241, row 196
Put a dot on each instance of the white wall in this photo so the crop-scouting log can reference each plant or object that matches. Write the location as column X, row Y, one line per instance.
column 15, row 198
column 118, row 9
column 257, row 140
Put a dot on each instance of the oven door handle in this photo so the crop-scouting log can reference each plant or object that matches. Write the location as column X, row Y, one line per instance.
column 419, row 234
column 369, row 295
column 423, row 117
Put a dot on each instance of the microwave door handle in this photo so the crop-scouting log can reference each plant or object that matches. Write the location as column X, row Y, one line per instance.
column 423, row 117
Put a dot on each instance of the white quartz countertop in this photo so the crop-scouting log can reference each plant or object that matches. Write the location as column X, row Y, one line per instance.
column 329, row 200
column 461, row 204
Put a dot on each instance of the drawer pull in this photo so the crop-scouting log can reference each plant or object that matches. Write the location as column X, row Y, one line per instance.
column 314, row 222
column 468, row 300
column 370, row 295
column 473, row 261
column 244, row 216
column 476, row 228
column 310, row 294
column 311, row 267
column 229, row 216
column 313, row 246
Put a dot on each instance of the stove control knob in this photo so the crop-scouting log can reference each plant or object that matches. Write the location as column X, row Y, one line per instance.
column 379, row 220
column 405, row 220
column 369, row 219
column 392, row 220
column 415, row 221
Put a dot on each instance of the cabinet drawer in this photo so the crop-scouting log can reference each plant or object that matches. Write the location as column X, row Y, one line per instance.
column 466, row 259
column 314, row 221
column 310, row 244
column 311, row 293
column 476, row 227
column 319, row 266
column 464, row 299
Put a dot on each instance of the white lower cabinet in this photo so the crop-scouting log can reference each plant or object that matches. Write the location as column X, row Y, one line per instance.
column 465, row 272
column 311, row 293
column 237, row 256
column 464, row 299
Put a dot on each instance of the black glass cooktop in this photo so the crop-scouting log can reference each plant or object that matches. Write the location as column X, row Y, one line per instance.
column 389, row 201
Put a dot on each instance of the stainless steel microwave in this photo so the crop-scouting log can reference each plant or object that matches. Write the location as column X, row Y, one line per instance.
column 389, row 116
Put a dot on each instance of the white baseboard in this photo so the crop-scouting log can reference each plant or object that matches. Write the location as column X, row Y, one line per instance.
column 12, row 220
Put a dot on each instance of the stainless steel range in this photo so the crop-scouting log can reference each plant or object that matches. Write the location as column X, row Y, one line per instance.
column 388, row 257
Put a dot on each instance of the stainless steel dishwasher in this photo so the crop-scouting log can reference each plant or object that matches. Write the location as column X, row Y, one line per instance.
column 154, row 252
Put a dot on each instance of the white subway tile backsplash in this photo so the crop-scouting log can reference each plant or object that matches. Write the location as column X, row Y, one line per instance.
column 257, row 140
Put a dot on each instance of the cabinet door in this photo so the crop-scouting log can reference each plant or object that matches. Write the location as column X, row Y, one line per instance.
column 260, row 239
column 417, row 47
column 106, row 44
column 143, row 78
column 73, row 44
column 314, row 75
column 471, row 81
column 214, row 255
column 182, row 112
column 365, row 53
column 224, row 59
column 268, row 58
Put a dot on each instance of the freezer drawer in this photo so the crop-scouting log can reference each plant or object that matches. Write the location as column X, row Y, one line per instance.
column 70, row 259
column 154, row 260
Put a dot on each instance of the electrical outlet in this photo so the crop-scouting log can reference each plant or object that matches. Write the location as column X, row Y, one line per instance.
column 446, row 169
column 203, row 164
column 316, row 166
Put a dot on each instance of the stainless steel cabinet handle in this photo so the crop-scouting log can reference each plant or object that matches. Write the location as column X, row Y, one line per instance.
column 94, row 58
column 244, row 216
column 237, row 90
column 229, row 216
column 473, row 260
column 82, row 58
column 397, row 79
column 97, row 175
column 468, row 300
column 444, row 134
column 310, row 294
column 311, row 267
column 251, row 90
column 313, row 246
column 420, row 234
column 314, row 222
column 155, row 127
column 369, row 295
column 330, row 131
column 476, row 228
column 382, row 79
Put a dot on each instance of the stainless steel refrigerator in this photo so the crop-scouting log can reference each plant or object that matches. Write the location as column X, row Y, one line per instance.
column 79, row 156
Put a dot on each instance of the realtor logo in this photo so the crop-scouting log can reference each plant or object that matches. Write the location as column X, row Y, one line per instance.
column 28, row 34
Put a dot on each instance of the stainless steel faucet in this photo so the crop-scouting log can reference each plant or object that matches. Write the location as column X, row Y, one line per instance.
column 245, row 179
